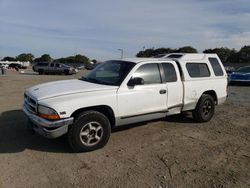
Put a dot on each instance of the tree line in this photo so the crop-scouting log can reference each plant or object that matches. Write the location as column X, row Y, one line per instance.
column 226, row 55
column 81, row 59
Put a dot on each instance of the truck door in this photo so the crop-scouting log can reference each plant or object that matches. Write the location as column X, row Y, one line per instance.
column 51, row 67
column 147, row 98
column 174, row 85
column 58, row 68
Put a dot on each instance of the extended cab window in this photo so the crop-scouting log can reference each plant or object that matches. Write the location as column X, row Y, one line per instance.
column 149, row 73
column 216, row 66
column 196, row 70
column 169, row 71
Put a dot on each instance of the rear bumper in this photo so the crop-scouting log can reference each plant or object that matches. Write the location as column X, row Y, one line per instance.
column 46, row 128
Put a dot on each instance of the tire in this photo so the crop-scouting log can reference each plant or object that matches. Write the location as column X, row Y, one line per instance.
column 204, row 110
column 40, row 71
column 95, row 130
column 232, row 83
column 66, row 72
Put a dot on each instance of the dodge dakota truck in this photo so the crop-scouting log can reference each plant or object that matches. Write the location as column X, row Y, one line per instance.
column 126, row 91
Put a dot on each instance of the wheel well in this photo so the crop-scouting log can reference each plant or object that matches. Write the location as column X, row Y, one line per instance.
column 212, row 94
column 105, row 110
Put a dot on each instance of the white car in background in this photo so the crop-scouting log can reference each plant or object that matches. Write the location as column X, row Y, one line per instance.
column 4, row 65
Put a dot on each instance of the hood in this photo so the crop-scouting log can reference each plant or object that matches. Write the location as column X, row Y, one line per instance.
column 66, row 87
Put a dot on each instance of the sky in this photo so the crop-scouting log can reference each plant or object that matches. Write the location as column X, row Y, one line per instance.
column 98, row 29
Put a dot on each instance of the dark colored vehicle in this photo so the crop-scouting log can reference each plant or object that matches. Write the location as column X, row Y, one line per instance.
column 16, row 66
column 242, row 75
column 91, row 65
column 229, row 70
column 54, row 68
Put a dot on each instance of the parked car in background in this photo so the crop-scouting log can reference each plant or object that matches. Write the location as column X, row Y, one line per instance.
column 92, row 64
column 242, row 75
column 16, row 66
column 4, row 65
column 81, row 67
column 54, row 68
column 229, row 70
column 89, row 67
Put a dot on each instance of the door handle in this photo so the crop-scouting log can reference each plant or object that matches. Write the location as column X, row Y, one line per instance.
column 163, row 91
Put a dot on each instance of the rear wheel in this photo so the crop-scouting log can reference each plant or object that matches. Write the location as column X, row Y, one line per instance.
column 204, row 110
column 40, row 71
column 66, row 72
column 232, row 83
column 90, row 131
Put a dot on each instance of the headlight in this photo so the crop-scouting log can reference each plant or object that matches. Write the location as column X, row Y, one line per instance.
column 47, row 113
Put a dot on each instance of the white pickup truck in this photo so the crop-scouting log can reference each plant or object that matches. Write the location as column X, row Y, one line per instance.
column 119, row 92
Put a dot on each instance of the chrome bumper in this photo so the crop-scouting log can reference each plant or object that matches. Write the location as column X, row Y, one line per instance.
column 46, row 128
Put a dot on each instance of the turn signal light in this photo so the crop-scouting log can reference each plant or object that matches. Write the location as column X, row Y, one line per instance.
column 50, row 116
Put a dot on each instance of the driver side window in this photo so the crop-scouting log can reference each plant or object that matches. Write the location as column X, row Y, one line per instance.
column 149, row 73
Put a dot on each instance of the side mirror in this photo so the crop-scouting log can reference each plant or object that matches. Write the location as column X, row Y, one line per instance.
column 135, row 81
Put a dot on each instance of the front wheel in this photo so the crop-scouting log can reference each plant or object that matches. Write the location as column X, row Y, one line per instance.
column 204, row 110
column 90, row 131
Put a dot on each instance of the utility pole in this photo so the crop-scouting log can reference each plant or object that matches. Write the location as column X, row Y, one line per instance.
column 121, row 52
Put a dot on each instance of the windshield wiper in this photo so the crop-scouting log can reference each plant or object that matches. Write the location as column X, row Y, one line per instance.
column 93, row 80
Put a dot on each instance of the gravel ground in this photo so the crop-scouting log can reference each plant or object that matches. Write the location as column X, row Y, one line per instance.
column 171, row 152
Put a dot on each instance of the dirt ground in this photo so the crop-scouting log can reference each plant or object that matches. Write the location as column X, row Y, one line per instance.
column 171, row 152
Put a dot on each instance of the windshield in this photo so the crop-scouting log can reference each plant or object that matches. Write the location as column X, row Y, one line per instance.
column 109, row 72
column 244, row 69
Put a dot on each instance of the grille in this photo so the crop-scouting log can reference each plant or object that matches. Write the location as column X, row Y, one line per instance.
column 30, row 104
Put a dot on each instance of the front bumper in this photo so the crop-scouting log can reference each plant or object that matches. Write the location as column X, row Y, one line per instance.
column 46, row 128
column 239, row 80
